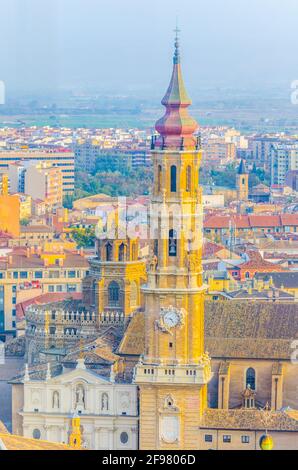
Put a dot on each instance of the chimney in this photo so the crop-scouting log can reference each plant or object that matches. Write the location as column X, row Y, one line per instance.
column 61, row 262
column 81, row 251
column 38, row 250
column 28, row 252
column 9, row 259
column 46, row 262
column 32, row 250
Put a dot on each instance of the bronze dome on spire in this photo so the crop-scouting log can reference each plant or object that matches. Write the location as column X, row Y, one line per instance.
column 176, row 127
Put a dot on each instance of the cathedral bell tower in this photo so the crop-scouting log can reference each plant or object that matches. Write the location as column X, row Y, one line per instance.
column 174, row 371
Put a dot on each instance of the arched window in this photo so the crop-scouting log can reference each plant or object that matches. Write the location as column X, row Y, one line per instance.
column 109, row 252
column 114, row 294
column 251, row 378
column 173, row 179
column 172, row 243
column 159, row 175
column 188, row 179
column 121, row 252
column 133, row 294
column 155, row 248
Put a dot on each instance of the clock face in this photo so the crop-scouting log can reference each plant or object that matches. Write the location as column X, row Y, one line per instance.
column 171, row 318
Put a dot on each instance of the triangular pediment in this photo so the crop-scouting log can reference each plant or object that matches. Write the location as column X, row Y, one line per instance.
column 78, row 374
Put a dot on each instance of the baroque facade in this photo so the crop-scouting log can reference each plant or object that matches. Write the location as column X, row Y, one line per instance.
column 107, row 410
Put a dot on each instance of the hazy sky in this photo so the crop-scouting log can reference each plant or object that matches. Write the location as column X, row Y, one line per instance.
column 126, row 45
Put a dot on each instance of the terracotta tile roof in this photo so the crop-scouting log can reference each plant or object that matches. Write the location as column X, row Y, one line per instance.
column 289, row 219
column 13, row 442
column 36, row 229
column 234, row 329
column 250, row 221
column 258, row 263
column 250, row 329
column 133, row 342
column 21, row 261
column 46, row 299
column 210, row 249
column 264, row 221
column 249, row 420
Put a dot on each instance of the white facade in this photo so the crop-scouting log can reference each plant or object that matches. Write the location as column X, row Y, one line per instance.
column 108, row 410
column 284, row 157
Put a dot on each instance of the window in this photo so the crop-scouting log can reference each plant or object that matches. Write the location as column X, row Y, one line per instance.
column 38, row 274
column 251, row 378
column 208, row 437
column 109, row 252
column 71, row 288
column 173, row 179
column 159, row 174
column 59, row 288
column 245, row 439
column 227, row 438
column 71, row 274
column 36, row 434
column 114, row 294
column 124, row 438
column 188, row 179
column 15, row 275
column 51, row 288
column 121, row 252
column 172, row 243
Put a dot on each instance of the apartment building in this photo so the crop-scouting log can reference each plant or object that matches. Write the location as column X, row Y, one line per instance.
column 60, row 159
column 44, row 181
column 29, row 272
column 218, row 151
column 284, row 158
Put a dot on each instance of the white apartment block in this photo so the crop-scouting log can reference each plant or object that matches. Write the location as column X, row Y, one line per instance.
column 284, row 158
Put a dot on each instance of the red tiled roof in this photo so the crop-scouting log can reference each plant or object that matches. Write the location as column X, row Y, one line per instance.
column 289, row 219
column 264, row 220
column 250, row 221
column 45, row 299
column 210, row 249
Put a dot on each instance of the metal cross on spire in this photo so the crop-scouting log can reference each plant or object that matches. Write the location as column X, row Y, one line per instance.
column 177, row 52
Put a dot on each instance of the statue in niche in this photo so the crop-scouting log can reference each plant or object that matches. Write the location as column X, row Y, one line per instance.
column 80, row 397
column 104, row 402
column 56, row 400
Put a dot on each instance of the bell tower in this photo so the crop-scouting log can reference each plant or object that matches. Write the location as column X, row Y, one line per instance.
column 174, row 371
column 242, row 182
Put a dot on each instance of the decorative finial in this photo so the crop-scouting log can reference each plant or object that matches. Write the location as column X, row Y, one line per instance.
column 177, row 45
column 49, row 375
column 26, row 375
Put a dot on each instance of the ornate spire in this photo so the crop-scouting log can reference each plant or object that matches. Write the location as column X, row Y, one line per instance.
column 176, row 125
